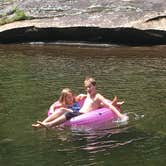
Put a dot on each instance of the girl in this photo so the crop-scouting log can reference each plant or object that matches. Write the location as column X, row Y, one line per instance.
column 67, row 102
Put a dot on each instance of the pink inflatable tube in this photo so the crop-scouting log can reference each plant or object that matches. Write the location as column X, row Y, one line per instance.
column 94, row 117
column 91, row 118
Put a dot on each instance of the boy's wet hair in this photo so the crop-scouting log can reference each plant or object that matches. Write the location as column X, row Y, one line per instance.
column 91, row 80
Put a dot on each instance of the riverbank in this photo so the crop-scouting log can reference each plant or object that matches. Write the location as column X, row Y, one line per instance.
column 123, row 22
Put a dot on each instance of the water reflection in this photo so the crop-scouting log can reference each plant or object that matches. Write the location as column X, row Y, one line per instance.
column 101, row 138
column 100, row 141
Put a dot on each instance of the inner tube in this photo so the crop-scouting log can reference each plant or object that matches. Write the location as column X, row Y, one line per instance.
column 94, row 117
column 97, row 116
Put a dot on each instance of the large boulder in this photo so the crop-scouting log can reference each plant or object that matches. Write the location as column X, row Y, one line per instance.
column 110, row 21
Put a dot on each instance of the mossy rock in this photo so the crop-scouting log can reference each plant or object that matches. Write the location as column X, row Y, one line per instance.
column 14, row 15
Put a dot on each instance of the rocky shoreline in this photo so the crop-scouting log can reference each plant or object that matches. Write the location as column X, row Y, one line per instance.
column 124, row 22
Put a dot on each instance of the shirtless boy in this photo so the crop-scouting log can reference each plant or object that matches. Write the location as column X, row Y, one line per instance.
column 93, row 101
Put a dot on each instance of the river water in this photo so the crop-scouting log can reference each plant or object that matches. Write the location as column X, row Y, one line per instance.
column 31, row 77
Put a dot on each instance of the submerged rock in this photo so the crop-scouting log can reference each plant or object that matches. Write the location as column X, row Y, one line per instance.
column 111, row 21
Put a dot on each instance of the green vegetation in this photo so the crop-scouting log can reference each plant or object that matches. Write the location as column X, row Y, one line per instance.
column 14, row 15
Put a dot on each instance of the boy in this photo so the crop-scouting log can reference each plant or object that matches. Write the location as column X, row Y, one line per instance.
column 95, row 100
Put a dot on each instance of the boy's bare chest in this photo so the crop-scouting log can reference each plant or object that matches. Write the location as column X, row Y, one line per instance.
column 92, row 101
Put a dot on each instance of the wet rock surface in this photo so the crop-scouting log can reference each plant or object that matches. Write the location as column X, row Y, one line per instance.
column 121, row 20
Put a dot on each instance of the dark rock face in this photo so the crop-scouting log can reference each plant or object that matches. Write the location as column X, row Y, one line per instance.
column 127, row 36
column 122, row 22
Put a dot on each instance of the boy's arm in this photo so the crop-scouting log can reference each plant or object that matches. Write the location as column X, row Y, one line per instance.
column 80, row 97
column 108, row 104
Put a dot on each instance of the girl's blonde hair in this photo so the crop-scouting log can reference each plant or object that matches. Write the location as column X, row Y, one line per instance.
column 63, row 96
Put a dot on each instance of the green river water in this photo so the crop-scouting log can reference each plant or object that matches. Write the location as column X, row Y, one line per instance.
column 31, row 78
